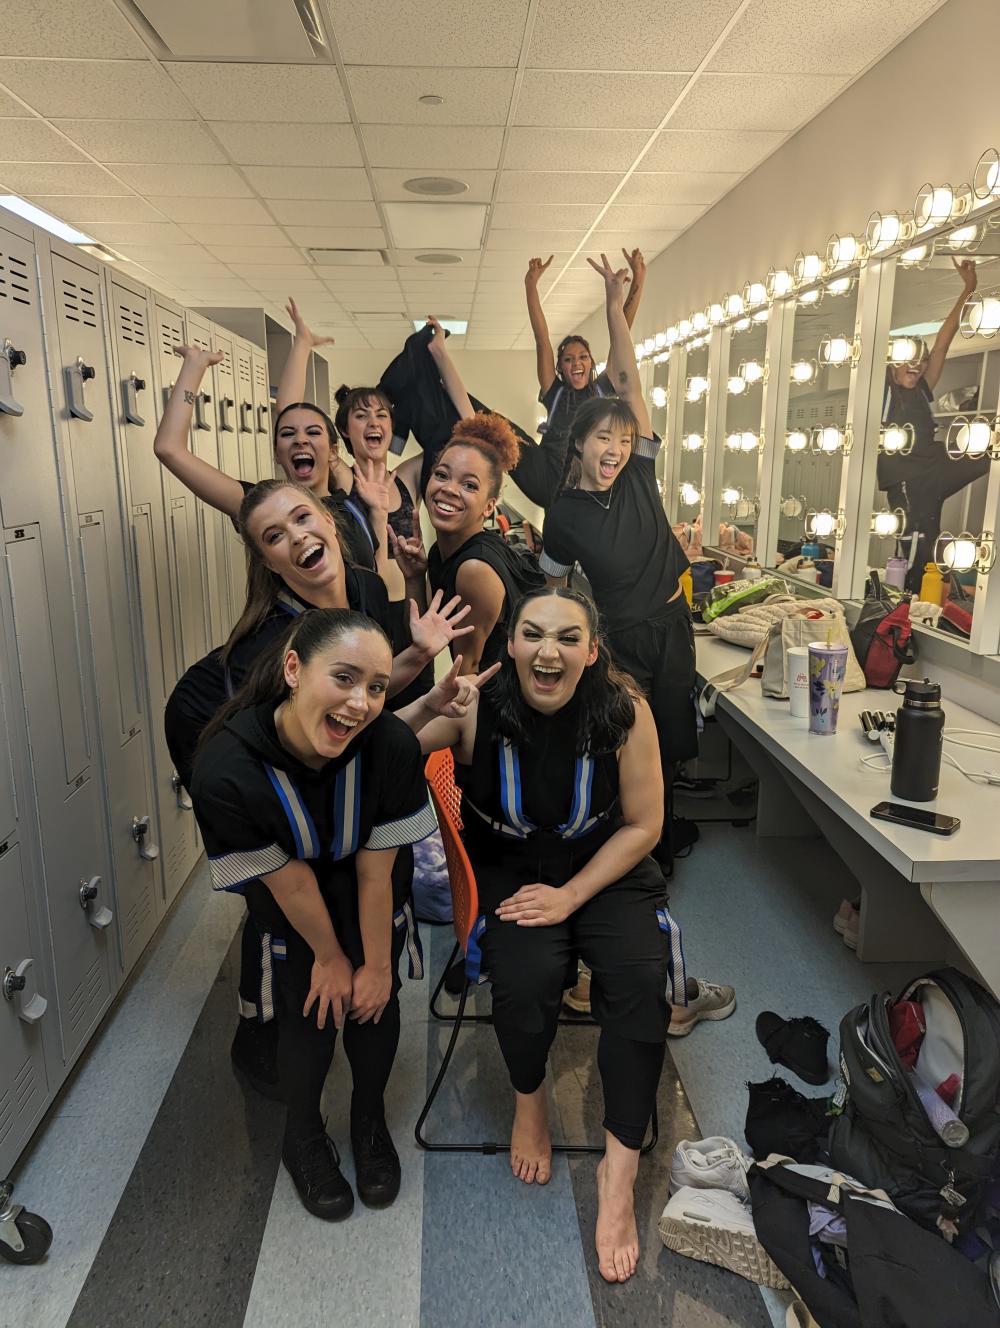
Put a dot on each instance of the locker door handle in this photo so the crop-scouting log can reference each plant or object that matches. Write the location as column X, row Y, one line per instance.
column 9, row 361
column 225, row 406
column 262, row 423
column 99, row 918
column 131, row 386
column 76, row 375
column 180, row 793
column 200, row 402
column 246, row 417
column 14, row 982
column 148, row 851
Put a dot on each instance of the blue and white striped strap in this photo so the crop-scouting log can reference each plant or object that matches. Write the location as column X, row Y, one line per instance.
column 510, row 790
column 580, row 820
column 550, row 567
column 232, row 871
column 347, row 809
column 473, row 952
column 648, row 448
column 414, row 949
column 297, row 813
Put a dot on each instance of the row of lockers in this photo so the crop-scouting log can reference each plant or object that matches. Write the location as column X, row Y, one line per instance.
column 114, row 580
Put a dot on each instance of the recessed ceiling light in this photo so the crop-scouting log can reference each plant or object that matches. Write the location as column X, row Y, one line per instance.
column 430, row 99
column 440, row 259
column 437, row 186
column 456, row 326
column 46, row 220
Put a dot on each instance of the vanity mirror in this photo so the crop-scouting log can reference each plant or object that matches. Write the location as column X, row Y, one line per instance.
column 742, row 440
column 687, row 505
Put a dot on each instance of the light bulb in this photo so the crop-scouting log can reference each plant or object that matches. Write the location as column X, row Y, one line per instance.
column 933, row 206
column 981, row 315
column 748, row 441
column 791, row 507
column 741, row 324
column 692, row 442
column 884, row 230
column 730, row 497
column 962, row 238
column 829, row 439
column 896, row 439
column 823, row 524
column 733, row 305
column 808, row 267
column 752, row 371
column 842, row 250
column 835, row 350
column 885, row 524
column 648, row 345
column 969, row 438
column 684, row 328
column 660, row 340
column 810, row 297
column 715, row 313
column 841, row 286
column 659, row 396
column 697, row 386
column 779, row 282
column 960, row 555
column 754, row 293
column 796, row 440
column 804, row 371
column 733, row 442
column 639, row 349
column 905, row 350
column 672, row 333
column 690, row 496
column 736, row 385
column 761, row 316
column 920, row 253
column 987, row 177
column 744, row 509
column 699, row 321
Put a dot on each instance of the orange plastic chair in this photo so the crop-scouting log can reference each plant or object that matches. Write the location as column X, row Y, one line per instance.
column 447, row 799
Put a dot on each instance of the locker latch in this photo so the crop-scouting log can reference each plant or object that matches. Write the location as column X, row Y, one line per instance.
column 131, row 386
column 225, row 406
column 99, row 918
column 9, row 361
column 14, row 982
column 246, row 417
column 200, row 402
column 140, row 829
column 262, row 426
column 76, row 375
column 180, row 793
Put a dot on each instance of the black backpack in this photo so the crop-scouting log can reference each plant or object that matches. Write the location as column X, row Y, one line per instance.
column 884, row 1136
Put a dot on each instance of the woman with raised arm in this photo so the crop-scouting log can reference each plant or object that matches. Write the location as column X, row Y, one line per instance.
column 304, row 437
column 562, row 804
column 305, row 790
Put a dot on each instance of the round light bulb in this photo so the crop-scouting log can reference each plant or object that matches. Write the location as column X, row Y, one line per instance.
column 761, row 316
column 962, row 237
column 984, row 315
column 684, row 328
column 779, row 282
column 993, row 178
column 894, row 439
column 736, row 385
column 699, row 321
column 904, row 350
column 671, row 334
column 885, row 524
column 715, row 313
column 803, row 371
column 640, row 350
column 824, row 524
column 744, row 509
column 842, row 249
column 791, row 507
column 752, row 371
column 884, row 230
column 733, row 442
column 755, row 293
column 697, row 386
column 841, row 286
column 797, row 440
column 748, row 441
column 835, row 350
column 933, row 205
column 810, row 297
column 808, row 267
column 660, row 340
column 659, row 396
column 730, row 497
column 690, row 496
column 920, row 253
column 741, row 324
column 960, row 555
column 973, row 438
column 830, row 439
column 692, row 442
column 733, row 305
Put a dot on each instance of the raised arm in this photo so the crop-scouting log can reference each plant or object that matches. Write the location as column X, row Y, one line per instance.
column 637, row 264
column 171, row 447
column 622, row 368
column 450, row 376
column 545, row 361
column 292, row 386
column 946, row 332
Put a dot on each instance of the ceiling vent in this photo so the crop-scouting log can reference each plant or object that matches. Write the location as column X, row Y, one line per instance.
column 234, row 30
column 349, row 257
column 435, row 186
column 438, row 260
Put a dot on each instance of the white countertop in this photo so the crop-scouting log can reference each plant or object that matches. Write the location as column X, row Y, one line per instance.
column 829, row 765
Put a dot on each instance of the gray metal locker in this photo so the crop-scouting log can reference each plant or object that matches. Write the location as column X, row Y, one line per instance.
column 246, row 426
column 77, row 351
column 229, row 462
column 262, row 414
column 214, row 528
column 133, row 396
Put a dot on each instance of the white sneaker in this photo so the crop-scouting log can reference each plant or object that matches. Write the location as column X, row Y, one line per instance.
column 710, row 1164
column 713, row 1001
column 713, row 1226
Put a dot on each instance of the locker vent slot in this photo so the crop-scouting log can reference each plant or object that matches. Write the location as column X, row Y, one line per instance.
column 86, row 996
column 14, row 279
column 137, row 917
column 260, row 374
column 79, row 303
column 17, row 1101
column 198, row 339
column 244, row 366
column 227, row 362
column 176, row 856
column 170, row 336
column 133, row 325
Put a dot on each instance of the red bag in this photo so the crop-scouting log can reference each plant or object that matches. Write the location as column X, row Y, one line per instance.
column 882, row 637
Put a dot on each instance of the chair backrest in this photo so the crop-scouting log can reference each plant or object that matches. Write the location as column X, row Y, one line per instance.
column 447, row 799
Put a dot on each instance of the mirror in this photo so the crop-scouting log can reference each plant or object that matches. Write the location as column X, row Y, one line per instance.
column 816, row 438
column 658, row 390
column 686, row 504
column 741, row 436
column 939, row 410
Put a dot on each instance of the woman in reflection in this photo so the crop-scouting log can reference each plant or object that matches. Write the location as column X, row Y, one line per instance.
column 920, row 482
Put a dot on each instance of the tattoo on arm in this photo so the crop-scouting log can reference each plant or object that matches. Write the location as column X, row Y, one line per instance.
column 623, row 377
column 189, row 397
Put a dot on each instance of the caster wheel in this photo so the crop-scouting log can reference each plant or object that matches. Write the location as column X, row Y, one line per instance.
column 36, row 1235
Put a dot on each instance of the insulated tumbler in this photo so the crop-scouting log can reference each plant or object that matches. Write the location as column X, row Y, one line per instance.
column 827, row 669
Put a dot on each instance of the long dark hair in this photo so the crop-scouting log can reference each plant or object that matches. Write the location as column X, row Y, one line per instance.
column 606, row 695
column 586, row 419
column 314, row 631
column 263, row 585
column 331, row 432
column 348, row 399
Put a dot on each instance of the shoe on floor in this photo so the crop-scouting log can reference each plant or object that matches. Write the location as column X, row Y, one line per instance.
column 712, row 1001
column 254, row 1054
column 780, row 1120
column 314, row 1166
column 842, row 916
column 454, row 979
column 577, row 998
column 377, row 1172
column 710, row 1164
column 852, row 929
column 713, row 1226
column 797, row 1044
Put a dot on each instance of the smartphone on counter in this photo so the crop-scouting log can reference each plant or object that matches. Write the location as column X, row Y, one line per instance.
column 916, row 818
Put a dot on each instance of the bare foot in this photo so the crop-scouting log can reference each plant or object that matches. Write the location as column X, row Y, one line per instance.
column 530, row 1143
column 617, row 1237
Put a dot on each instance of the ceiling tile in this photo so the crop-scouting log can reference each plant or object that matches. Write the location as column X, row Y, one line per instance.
column 613, row 241
column 82, row 211
column 389, row 185
column 683, row 150
column 301, row 212
column 514, row 261
column 471, row 96
column 148, row 233
column 650, row 217
column 311, row 183
column 677, row 187
column 180, row 255
column 632, row 101
column 484, row 341
column 529, row 242
column 447, row 149
column 357, row 277
column 776, row 36
column 191, row 181
column 10, row 107
column 638, row 34
column 272, row 273
column 553, row 149
column 264, row 93
column 338, row 237
column 136, row 89
column 289, row 144
column 34, row 140
column 211, row 232
column 59, row 180
column 78, row 28
column 418, row 34
column 239, row 255
column 469, row 259
column 557, row 186
column 549, row 216
column 143, row 141
column 231, row 211
column 755, row 101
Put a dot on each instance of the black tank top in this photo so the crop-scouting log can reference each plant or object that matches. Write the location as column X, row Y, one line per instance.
column 518, row 572
column 400, row 521
column 912, row 406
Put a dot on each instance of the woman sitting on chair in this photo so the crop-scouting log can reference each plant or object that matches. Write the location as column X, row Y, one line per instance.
column 562, row 803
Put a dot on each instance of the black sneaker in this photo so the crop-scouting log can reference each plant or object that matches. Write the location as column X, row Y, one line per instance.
column 254, row 1054
column 314, row 1165
column 376, row 1162
column 798, row 1044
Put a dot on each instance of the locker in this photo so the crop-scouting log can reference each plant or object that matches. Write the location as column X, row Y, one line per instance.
column 24, row 1089
column 262, row 414
column 246, row 425
column 133, row 395
column 77, row 345
column 230, row 463
column 214, row 528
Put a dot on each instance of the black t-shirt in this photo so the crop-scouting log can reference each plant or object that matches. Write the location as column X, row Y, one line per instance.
column 908, row 405
column 626, row 549
column 362, row 544
column 561, row 402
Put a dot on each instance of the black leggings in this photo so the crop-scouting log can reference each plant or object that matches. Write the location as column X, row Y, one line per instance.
column 922, row 494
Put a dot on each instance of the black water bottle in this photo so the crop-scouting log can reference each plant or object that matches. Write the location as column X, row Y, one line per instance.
column 916, row 754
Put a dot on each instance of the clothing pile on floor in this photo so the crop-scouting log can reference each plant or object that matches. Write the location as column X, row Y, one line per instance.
column 879, row 1202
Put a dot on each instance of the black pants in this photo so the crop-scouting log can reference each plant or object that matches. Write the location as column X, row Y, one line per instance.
column 922, row 494
column 633, row 948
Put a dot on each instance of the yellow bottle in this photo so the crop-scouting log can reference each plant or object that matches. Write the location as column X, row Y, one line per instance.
column 686, row 585
column 932, row 585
